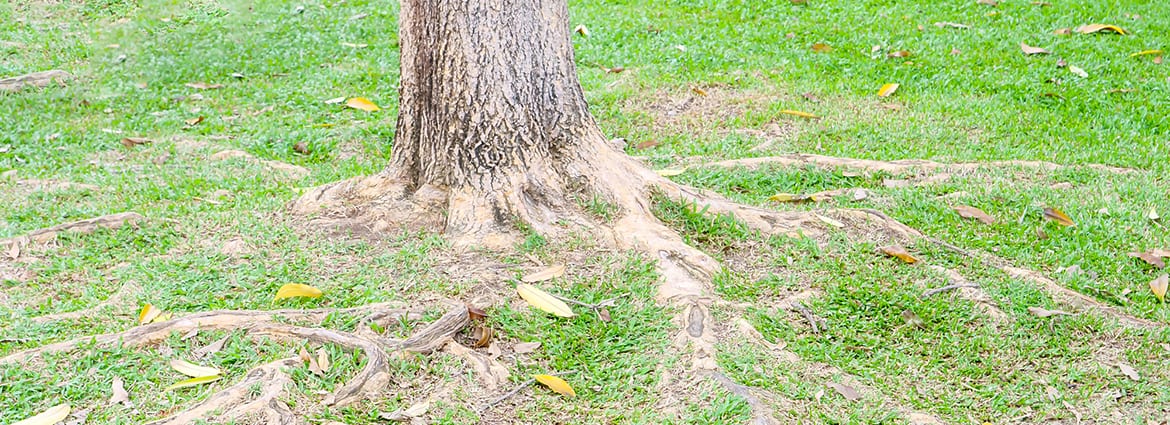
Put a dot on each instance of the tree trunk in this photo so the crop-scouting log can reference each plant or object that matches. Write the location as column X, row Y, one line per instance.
column 494, row 134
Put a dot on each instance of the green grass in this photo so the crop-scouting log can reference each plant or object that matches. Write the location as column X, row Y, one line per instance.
column 132, row 59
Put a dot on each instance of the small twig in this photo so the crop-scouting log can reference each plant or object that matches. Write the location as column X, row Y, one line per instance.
column 931, row 292
column 596, row 308
column 517, row 390
column 808, row 315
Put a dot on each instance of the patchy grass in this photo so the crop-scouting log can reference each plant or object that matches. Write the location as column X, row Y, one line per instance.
column 217, row 236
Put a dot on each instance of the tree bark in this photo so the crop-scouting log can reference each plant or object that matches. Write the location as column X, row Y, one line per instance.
column 489, row 88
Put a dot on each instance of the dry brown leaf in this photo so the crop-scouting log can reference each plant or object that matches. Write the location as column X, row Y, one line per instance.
column 895, row 183
column 476, row 313
column 301, row 148
column 363, row 104
column 1158, row 286
column 1043, row 312
column 1062, row 31
column 1129, row 371
column 603, row 314
column 525, row 347
column 975, row 213
column 1059, row 217
column 821, row 48
column 130, row 142
column 407, row 414
column 13, row 251
column 119, row 394
column 212, row 348
column 912, row 319
column 898, row 54
column 581, row 29
column 194, row 121
column 1158, row 60
column 204, row 86
column 1093, row 28
column 1033, row 50
column 552, row 272
column 698, row 90
column 846, row 391
column 1078, row 71
column 556, row 384
column 1149, row 258
column 991, row 3
column 482, row 336
column 647, row 144
column 314, row 367
column 888, row 89
column 897, row 251
column 335, row 100
column 323, row 359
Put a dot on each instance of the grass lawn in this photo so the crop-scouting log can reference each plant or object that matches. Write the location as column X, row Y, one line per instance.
column 702, row 81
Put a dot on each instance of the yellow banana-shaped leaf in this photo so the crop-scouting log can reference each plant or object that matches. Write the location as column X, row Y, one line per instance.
column 193, row 370
column 55, row 414
column 542, row 300
column 297, row 290
column 553, row 272
column 556, row 384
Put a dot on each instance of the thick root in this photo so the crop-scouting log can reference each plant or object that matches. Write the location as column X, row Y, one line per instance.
column 232, row 403
column 212, row 320
column 112, row 221
column 37, row 79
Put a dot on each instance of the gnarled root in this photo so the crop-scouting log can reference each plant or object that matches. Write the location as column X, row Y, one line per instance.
column 232, row 403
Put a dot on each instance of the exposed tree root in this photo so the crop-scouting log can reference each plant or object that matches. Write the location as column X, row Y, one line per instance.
column 256, row 395
column 36, row 79
column 212, row 320
column 970, row 291
column 237, row 401
column 389, row 201
column 116, row 299
column 898, row 166
column 112, row 221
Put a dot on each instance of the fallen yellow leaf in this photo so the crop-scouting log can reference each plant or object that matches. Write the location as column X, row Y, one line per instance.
column 296, row 290
column 55, row 414
column 362, row 104
column 1033, row 50
column 1059, row 217
column 798, row 113
column 193, row 370
column 148, row 314
column 193, row 382
column 897, row 251
column 821, row 48
column 670, row 172
column 543, row 300
column 556, row 384
column 552, row 272
column 888, row 89
column 1146, row 52
column 1092, row 28
column 1158, row 286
